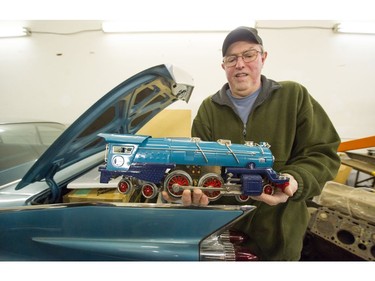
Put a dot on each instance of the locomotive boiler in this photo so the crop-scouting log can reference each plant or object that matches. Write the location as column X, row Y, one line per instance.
column 219, row 168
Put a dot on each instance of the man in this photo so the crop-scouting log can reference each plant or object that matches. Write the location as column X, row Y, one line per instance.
column 303, row 141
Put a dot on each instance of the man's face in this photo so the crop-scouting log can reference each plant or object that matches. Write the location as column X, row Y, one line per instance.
column 243, row 77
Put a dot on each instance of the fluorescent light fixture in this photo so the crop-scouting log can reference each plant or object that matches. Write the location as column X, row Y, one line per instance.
column 160, row 26
column 14, row 31
column 355, row 27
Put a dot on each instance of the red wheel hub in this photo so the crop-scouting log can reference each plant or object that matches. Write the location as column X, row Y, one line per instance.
column 268, row 189
column 123, row 186
column 147, row 190
column 179, row 180
column 212, row 182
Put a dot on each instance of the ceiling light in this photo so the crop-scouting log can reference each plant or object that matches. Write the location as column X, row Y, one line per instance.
column 355, row 27
column 14, row 31
column 155, row 27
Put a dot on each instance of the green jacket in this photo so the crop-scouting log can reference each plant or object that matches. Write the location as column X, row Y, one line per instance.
column 304, row 143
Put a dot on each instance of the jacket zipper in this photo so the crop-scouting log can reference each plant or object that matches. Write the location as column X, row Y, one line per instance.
column 244, row 131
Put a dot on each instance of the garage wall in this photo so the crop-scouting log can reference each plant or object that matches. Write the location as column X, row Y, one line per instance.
column 57, row 77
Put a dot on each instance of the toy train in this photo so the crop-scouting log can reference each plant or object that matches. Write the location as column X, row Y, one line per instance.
column 174, row 164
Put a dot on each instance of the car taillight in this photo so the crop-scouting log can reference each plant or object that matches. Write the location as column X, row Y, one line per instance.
column 243, row 254
column 234, row 236
column 226, row 247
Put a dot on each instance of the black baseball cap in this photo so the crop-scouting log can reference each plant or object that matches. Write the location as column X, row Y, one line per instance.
column 242, row 33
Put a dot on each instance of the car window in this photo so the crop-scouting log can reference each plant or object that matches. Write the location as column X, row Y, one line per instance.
column 30, row 133
column 21, row 144
column 48, row 133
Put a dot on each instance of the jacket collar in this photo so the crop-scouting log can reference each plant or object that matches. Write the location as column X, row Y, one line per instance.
column 268, row 86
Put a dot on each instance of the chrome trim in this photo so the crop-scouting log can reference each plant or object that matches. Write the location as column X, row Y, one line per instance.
column 244, row 208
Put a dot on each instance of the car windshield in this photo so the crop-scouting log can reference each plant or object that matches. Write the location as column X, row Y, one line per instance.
column 21, row 144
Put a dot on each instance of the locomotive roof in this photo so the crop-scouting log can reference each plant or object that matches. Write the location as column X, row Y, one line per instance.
column 123, row 138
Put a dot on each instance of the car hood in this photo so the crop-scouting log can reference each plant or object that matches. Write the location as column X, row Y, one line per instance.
column 123, row 110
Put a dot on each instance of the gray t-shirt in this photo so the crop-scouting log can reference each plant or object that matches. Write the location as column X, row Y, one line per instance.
column 243, row 105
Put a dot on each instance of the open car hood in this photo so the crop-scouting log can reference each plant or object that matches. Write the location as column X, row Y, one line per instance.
column 123, row 110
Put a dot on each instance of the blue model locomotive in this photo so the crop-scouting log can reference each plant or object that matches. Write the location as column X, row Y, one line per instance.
column 174, row 164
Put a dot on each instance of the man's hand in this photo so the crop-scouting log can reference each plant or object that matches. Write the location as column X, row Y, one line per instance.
column 279, row 196
column 196, row 198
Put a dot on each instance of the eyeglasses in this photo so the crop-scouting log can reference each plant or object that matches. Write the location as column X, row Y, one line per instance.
column 247, row 56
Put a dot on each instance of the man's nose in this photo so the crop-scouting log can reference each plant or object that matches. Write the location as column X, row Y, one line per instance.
column 240, row 62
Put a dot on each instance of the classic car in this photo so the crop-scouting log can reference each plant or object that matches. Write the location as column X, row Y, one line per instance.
column 47, row 215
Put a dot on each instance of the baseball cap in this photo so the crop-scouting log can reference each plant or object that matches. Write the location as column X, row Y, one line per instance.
column 242, row 33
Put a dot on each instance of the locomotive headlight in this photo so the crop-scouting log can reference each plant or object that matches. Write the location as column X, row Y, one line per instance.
column 118, row 161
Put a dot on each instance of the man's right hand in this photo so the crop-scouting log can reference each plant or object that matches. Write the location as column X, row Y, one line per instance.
column 195, row 198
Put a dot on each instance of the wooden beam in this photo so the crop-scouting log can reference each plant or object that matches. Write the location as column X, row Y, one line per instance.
column 357, row 144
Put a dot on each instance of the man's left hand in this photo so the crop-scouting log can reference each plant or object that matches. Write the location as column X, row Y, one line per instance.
column 279, row 196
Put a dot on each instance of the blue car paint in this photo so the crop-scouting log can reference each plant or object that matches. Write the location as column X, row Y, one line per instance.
column 107, row 232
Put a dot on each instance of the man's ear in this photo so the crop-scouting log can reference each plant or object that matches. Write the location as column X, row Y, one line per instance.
column 264, row 56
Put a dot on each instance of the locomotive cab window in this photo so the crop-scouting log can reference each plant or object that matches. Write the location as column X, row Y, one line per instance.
column 122, row 149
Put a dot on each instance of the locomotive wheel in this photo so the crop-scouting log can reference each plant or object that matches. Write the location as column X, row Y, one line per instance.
column 211, row 180
column 268, row 189
column 149, row 190
column 242, row 198
column 179, row 177
column 124, row 186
